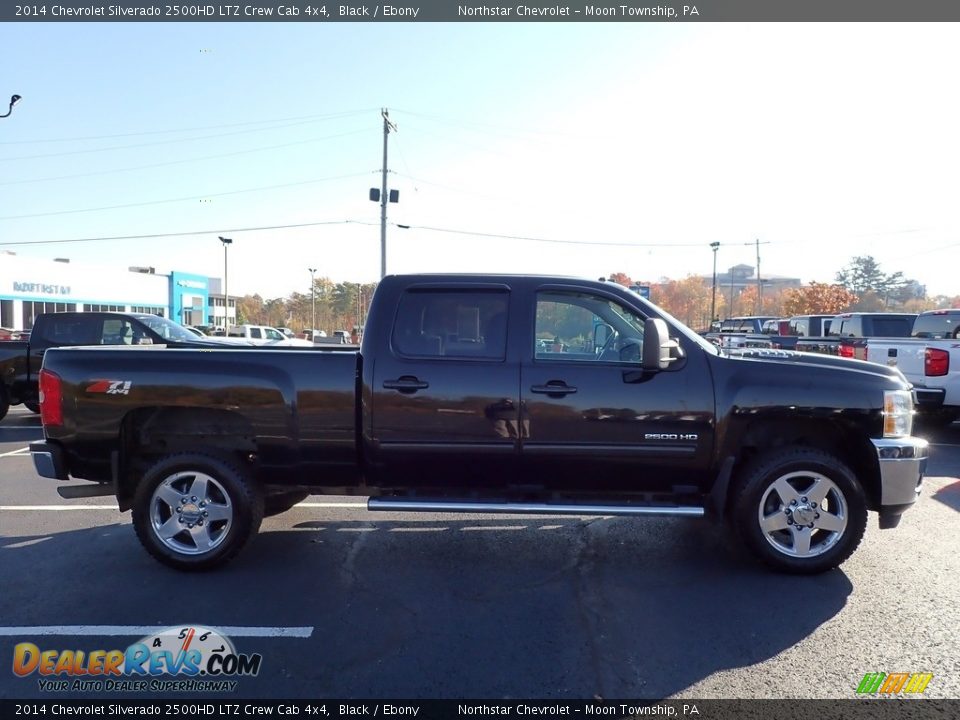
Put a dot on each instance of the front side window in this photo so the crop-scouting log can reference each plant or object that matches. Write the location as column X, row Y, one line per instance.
column 273, row 334
column 585, row 327
column 452, row 324
column 116, row 331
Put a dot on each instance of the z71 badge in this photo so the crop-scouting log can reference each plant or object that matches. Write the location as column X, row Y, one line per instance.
column 110, row 387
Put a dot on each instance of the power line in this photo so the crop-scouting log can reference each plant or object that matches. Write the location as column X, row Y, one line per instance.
column 180, row 162
column 482, row 127
column 543, row 240
column 154, row 236
column 181, row 199
column 330, row 116
column 155, row 142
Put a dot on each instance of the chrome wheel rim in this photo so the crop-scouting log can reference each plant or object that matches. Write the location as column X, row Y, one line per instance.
column 191, row 513
column 803, row 514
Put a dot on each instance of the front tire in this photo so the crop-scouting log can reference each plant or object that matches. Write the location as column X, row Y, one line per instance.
column 799, row 510
column 193, row 511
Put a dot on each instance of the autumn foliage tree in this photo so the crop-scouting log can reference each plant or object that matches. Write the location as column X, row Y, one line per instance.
column 688, row 300
column 817, row 299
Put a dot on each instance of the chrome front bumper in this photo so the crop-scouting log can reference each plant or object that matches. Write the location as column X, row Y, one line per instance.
column 902, row 464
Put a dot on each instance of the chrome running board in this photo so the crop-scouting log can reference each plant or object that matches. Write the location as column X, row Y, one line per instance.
column 515, row 508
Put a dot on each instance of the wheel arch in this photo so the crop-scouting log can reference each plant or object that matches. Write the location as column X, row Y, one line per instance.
column 147, row 434
column 843, row 439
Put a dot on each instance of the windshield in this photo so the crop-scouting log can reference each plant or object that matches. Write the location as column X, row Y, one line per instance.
column 167, row 329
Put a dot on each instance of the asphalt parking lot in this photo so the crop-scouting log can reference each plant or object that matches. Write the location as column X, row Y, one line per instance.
column 343, row 603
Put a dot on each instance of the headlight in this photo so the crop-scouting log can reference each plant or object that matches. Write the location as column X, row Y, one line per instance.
column 897, row 413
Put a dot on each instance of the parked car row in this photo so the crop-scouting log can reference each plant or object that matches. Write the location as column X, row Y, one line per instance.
column 925, row 347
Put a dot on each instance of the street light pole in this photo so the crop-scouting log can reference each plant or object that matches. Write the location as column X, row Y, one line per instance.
column 313, row 303
column 226, row 296
column 713, row 302
column 14, row 99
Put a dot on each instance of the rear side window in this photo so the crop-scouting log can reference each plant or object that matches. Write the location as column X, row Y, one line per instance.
column 891, row 327
column 452, row 324
column 845, row 327
column 72, row 330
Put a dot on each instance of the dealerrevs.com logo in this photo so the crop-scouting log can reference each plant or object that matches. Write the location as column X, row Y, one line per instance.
column 199, row 658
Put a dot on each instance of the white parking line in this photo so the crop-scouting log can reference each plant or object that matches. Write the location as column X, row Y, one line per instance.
column 331, row 505
column 361, row 506
column 144, row 630
column 59, row 507
column 21, row 451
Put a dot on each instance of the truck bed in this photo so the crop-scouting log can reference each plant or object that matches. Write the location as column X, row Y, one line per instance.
column 297, row 407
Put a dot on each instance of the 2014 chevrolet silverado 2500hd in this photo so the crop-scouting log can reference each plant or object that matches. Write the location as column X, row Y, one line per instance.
column 20, row 360
column 494, row 394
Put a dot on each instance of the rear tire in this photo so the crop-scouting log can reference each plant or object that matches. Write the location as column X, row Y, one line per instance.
column 799, row 510
column 193, row 511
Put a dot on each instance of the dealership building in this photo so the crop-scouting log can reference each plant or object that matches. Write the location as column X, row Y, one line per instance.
column 29, row 286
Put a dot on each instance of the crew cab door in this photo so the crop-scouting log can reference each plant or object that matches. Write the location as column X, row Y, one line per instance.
column 592, row 417
column 445, row 395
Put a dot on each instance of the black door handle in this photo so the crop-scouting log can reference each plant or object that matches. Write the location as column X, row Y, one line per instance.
column 554, row 387
column 406, row 384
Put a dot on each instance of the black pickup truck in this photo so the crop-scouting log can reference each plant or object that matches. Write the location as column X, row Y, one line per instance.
column 20, row 360
column 490, row 394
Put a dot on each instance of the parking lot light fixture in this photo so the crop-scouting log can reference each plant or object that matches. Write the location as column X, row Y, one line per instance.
column 14, row 99
column 713, row 302
column 313, row 303
column 226, row 297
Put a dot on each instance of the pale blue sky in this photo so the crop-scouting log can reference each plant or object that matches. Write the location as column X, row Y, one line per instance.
column 826, row 141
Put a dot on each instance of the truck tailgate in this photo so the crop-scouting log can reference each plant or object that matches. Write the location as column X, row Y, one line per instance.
column 907, row 355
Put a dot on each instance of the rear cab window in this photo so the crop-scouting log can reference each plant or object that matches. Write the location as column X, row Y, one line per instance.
column 937, row 325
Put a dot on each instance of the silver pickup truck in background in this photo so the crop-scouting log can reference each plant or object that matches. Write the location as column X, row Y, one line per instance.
column 930, row 360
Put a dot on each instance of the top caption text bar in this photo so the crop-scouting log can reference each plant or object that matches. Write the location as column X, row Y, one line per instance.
column 455, row 11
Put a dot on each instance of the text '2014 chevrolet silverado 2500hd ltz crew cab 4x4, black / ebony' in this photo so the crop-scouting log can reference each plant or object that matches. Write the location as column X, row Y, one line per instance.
column 492, row 394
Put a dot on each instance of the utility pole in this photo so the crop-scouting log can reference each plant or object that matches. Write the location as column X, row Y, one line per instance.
column 387, row 126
